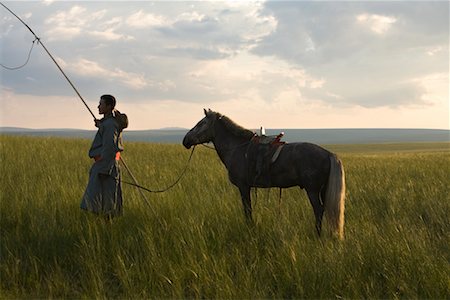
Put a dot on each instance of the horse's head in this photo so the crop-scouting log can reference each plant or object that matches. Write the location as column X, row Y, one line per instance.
column 203, row 132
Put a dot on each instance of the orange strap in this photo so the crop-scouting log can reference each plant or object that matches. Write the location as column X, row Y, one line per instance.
column 98, row 157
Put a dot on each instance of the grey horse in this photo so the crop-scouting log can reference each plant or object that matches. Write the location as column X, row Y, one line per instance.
column 306, row 165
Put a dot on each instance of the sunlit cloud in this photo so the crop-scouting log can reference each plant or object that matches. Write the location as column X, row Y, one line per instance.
column 377, row 23
column 75, row 16
column 63, row 33
column 141, row 19
column 435, row 50
column 89, row 68
column 436, row 88
column 191, row 16
column 48, row 2
column 110, row 35
column 66, row 25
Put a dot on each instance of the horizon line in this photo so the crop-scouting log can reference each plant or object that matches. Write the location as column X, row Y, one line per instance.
column 174, row 128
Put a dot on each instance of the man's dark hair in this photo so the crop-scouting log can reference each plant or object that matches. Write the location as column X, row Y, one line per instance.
column 109, row 100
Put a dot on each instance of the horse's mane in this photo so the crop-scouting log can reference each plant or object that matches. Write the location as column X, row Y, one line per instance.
column 234, row 128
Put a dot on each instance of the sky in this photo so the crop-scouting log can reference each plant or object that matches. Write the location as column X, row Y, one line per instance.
column 278, row 64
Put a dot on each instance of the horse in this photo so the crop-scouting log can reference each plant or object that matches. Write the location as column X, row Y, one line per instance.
column 316, row 170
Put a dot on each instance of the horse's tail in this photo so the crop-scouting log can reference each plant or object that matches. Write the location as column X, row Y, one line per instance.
column 335, row 196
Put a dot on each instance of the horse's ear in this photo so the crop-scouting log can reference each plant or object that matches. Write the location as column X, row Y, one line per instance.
column 208, row 112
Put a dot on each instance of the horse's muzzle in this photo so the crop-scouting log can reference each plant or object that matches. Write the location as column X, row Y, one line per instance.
column 186, row 142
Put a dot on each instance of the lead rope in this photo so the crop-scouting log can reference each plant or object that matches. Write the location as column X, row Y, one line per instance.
column 76, row 91
column 167, row 188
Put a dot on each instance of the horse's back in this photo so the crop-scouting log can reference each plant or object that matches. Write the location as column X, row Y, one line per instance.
column 308, row 164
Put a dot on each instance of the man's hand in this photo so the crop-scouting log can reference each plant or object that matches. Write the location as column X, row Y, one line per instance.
column 97, row 123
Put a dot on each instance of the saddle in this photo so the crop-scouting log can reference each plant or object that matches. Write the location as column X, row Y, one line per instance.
column 262, row 153
column 273, row 141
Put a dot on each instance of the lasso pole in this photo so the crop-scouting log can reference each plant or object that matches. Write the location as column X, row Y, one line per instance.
column 53, row 59
column 73, row 87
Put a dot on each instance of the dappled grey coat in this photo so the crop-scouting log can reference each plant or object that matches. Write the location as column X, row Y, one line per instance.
column 103, row 193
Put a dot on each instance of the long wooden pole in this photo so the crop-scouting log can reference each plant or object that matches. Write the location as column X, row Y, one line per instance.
column 74, row 88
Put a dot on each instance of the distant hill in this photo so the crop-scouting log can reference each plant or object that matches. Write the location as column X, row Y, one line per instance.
column 319, row 136
column 363, row 136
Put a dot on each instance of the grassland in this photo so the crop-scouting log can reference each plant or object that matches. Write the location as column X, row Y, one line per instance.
column 192, row 242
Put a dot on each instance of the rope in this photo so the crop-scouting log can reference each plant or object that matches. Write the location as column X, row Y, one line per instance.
column 135, row 180
column 209, row 147
column 165, row 189
column 45, row 48
column 26, row 62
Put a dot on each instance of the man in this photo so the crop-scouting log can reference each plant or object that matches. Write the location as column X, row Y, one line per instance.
column 103, row 195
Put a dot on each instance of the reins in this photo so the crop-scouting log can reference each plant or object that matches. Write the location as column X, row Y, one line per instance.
column 171, row 185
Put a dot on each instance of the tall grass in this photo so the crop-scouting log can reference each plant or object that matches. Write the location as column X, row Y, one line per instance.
column 193, row 242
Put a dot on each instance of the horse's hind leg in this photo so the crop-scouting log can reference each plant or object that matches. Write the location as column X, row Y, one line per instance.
column 246, row 202
column 318, row 208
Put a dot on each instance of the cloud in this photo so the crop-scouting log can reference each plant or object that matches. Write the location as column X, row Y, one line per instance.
column 66, row 25
column 434, row 50
column 77, row 22
column 48, row 2
column 435, row 86
column 193, row 16
column 366, row 54
column 210, row 27
column 63, row 33
column 248, row 78
column 377, row 23
column 87, row 68
column 110, row 35
column 141, row 19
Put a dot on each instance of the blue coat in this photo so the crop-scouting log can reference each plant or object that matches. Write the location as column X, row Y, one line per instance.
column 103, row 193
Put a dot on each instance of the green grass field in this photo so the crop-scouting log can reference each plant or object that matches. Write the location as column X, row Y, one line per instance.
column 193, row 242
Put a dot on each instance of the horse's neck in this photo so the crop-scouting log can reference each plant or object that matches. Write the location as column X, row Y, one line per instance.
column 226, row 144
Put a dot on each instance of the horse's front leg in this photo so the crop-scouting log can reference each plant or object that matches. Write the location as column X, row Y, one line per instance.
column 246, row 201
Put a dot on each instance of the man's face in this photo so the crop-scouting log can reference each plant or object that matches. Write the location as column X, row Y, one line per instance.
column 103, row 108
